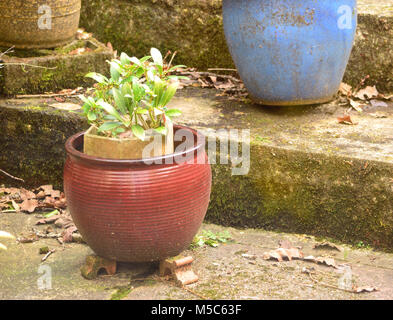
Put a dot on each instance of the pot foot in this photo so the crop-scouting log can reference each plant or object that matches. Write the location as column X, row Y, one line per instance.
column 180, row 269
column 94, row 264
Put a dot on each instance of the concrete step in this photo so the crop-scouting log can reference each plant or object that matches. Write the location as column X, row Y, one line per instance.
column 194, row 29
column 308, row 173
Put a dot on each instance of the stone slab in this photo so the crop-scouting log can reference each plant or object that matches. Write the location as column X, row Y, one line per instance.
column 224, row 273
column 40, row 71
column 308, row 173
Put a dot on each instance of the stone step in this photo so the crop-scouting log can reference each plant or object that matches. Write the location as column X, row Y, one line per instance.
column 194, row 29
column 308, row 173
column 50, row 70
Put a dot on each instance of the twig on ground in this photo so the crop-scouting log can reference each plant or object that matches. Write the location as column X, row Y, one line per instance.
column 222, row 69
column 9, row 50
column 11, row 176
column 48, row 254
column 28, row 65
column 49, row 95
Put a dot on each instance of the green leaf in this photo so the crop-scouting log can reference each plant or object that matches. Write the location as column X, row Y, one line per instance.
column 109, row 109
column 120, row 130
column 115, row 71
column 145, row 58
column 126, row 91
column 142, row 111
column 110, row 125
column 174, row 68
column 124, row 58
column 157, row 56
column 173, row 112
column 169, row 93
column 84, row 99
column 97, row 77
column 120, row 101
column 138, row 131
column 136, row 61
column 161, row 130
column 51, row 214
column 91, row 116
column 178, row 77
column 109, row 117
column 158, row 90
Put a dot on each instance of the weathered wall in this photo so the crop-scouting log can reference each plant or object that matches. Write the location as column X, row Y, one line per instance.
column 349, row 198
column 194, row 28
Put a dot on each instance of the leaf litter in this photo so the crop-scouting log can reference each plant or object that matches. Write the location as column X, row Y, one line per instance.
column 41, row 199
column 360, row 99
column 288, row 252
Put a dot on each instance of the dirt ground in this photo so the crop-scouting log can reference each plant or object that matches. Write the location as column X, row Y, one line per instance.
column 233, row 270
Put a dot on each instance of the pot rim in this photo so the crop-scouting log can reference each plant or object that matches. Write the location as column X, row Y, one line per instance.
column 172, row 158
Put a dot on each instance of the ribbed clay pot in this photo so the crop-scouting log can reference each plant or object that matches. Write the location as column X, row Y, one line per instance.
column 23, row 23
column 135, row 211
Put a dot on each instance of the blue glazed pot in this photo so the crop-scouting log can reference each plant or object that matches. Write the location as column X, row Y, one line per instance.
column 290, row 52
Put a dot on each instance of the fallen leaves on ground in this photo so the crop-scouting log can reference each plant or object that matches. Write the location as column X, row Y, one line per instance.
column 228, row 85
column 288, row 252
column 359, row 99
column 346, row 119
column 285, row 252
column 327, row 245
column 364, row 289
column 81, row 34
column 80, row 51
column 329, row 262
column 21, row 199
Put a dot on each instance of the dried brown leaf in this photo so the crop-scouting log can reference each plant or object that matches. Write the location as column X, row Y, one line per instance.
column 345, row 89
column 327, row 245
column 345, row 120
column 29, row 205
column 67, row 234
column 282, row 254
column 367, row 93
column 364, row 289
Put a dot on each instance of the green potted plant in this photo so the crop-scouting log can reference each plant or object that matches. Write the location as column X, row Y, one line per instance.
column 127, row 206
column 129, row 109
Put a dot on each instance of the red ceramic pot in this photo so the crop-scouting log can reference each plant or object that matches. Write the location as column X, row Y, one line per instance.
column 131, row 211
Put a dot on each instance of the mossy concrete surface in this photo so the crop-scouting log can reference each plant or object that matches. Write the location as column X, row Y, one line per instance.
column 195, row 30
column 224, row 273
column 40, row 71
column 32, row 140
column 308, row 173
